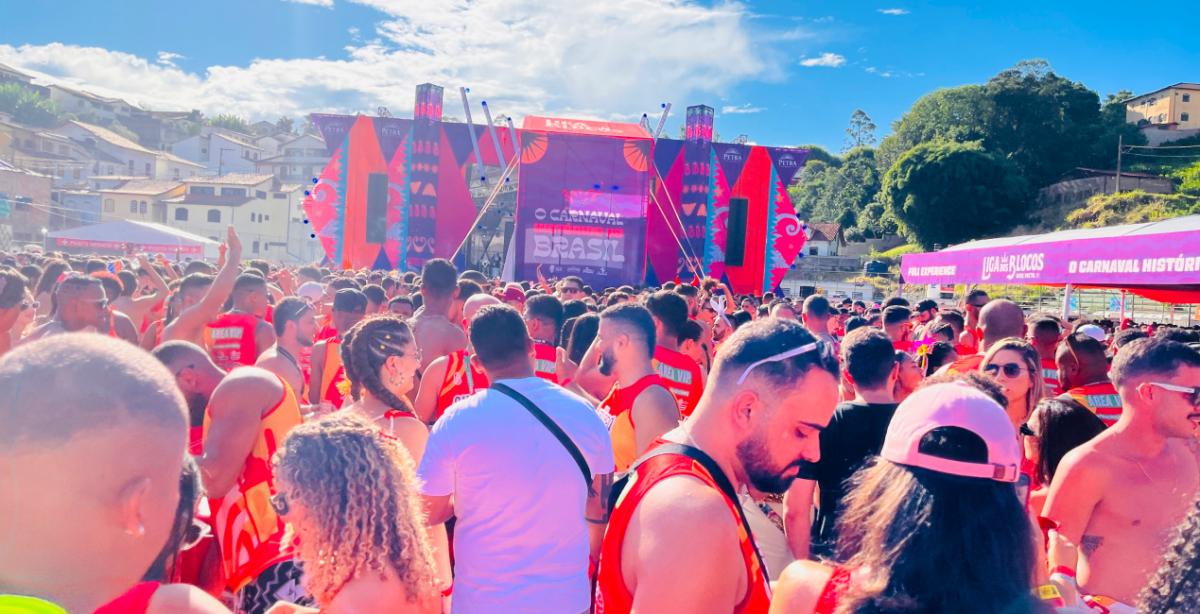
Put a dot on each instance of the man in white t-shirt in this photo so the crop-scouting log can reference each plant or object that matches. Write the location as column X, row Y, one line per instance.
column 521, row 539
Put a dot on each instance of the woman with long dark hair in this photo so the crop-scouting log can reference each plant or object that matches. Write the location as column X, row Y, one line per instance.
column 934, row 525
column 1017, row 366
column 1055, row 427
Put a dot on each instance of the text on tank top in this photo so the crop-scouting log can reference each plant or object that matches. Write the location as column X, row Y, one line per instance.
column 230, row 340
column 612, row 595
column 616, row 411
column 244, row 522
column 545, row 357
column 1101, row 399
column 681, row 376
column 1050, row 377
column 463, row 377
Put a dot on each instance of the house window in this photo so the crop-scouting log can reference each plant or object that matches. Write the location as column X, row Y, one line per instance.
column 266, row 218
column 111, row 170
column 240, row 192
column 279, row 195
column 214, row 216
column 202, row 190
column 131, row 167
column 1187, row 97
column 175, row 173
column 133, row 206
column 78, row 173
column 142, row 207
column 254, row 247
column 147, row 169
column 1183, row 117
column 260, row 194
column 109, row 205
column 253, row 217
column 812, row 251
column 181, row 214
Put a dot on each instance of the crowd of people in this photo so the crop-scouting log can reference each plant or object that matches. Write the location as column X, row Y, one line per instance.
column 250, row 437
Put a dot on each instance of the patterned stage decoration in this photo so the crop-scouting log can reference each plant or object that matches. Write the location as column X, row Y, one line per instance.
column 698, row 177
column 581, row 200
column 416, row 170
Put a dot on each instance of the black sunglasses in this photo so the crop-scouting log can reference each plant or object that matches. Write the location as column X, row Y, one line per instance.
column 1026, row 431
column 1011, row 369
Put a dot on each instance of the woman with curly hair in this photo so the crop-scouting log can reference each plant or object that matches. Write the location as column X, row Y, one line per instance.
column 1175, row 587
column 350, row 500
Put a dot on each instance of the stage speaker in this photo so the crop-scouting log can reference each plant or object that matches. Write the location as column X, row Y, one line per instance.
column 377, row 200
column 735, row 231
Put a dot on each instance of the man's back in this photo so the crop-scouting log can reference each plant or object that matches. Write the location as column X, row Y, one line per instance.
column 436, row 336
column 520, row 541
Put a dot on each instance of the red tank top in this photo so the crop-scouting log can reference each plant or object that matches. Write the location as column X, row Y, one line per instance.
column 1102, row 399
column 616, row 410
column 134, row 601
column 463, row 377
column 1050, row 377
column 545, row 357
column 682, row 377
column 612, row 596
column 827, row 603
column 230, row 340
column 333, row 373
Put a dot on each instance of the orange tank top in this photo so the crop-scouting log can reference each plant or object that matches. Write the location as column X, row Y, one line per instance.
column 616, row 410
column 1050, row 377
column 682, row 377
column 463, row 377
column 545, row 358
column 612, row 596
column 245, row 524
column 230, row 340
column 333, row 373
column 1101, row 399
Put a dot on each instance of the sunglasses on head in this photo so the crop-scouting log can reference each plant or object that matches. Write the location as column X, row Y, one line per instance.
column 1193, row 393
column 1010, row 369
column 797, row 351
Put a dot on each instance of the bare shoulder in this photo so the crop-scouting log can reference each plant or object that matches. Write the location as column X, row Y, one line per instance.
column 183, row 599
column 800, row 586
column 685, row 508
column 250, row 384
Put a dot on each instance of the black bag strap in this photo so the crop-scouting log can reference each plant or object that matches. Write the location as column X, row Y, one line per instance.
column 554, row 429
column 718, row 476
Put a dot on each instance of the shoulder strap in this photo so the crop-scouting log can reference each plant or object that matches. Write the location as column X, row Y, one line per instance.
column 554, row 429
column 718, row 476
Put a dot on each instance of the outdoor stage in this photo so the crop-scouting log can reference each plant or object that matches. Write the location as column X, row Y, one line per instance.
column 605, row 201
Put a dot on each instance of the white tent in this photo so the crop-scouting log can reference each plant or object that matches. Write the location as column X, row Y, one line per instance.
column 128, row 236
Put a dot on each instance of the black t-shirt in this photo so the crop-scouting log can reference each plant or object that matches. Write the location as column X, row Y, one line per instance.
column 854, row 435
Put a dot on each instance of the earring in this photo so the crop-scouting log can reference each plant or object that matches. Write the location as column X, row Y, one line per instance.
column 140, row 531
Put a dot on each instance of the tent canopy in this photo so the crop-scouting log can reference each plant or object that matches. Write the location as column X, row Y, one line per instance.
column 128, row 235
column 1158, row 260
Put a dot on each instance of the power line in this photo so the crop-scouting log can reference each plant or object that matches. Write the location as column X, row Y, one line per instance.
column 1195, row 155
column 1161, row 146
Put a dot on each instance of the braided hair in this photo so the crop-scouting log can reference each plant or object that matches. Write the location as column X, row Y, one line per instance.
column 365, row 349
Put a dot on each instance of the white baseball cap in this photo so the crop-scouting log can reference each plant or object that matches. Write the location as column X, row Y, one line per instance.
column 311, row 290
column 960, row 405
column 1093, row 331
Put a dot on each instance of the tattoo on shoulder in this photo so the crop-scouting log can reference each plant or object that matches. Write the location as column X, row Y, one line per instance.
column 1090, row 543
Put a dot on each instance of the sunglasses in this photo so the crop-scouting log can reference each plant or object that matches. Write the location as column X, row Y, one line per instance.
column 804, row 349
column 571, row 290
column 1026, row 431
column 1193, row 393
column 279, row 503
column 1010, row 369
column 30, row 305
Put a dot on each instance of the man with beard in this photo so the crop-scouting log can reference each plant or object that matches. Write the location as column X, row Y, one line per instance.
column 638, row 409
column 245, row 415
column 81, row 304
column 295, row 326
column 677, row 540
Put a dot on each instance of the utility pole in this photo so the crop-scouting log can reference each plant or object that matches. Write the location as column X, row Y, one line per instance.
column 1120, row 147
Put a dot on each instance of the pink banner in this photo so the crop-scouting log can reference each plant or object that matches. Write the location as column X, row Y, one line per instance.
column 1152, row 259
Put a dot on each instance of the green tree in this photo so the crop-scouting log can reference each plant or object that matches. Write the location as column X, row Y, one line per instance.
column 861, row 131
column 230, row 121
column 943, row 192
column 816, row 152
column 27, row 106
column 284, row 125
column 953, row 114
column 838, row 191
column 1189, row 179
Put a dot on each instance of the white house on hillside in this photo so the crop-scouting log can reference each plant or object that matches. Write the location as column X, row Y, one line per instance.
column 299, row 160
column 220, row 152
column 136, row 160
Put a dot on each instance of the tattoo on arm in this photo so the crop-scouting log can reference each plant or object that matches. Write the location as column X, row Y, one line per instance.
column 597, row 511
column 1090, row 543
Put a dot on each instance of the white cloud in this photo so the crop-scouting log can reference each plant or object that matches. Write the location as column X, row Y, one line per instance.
column 830, row 60
column 325, row 3
column 524, row 56
column 741, row 109
column 894, row 11
column 167, row 58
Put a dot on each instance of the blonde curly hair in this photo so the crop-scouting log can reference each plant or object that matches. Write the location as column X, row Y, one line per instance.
column 362, row 512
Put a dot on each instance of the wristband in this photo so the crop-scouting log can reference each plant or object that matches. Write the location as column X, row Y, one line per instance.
column 1063, row 570
column 1050, row 593
column 449, row 590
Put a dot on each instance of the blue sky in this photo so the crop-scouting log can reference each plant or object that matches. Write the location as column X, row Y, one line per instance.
column 783, row 73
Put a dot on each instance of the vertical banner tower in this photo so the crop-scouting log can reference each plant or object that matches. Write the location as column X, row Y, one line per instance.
column 697, row 196
column 423, row 175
